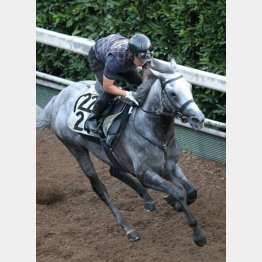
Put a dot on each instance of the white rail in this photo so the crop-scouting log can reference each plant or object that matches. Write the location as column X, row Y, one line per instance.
column 202, row 78
column 74, row 44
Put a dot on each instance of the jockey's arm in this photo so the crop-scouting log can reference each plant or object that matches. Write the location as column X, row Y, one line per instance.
column 109, row 87
column 112, row 67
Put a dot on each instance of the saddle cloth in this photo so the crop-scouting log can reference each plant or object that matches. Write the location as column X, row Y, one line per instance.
column 82, row 109
column 109, row 125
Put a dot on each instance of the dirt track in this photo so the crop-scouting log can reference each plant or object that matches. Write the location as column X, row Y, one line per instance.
column 73, row 224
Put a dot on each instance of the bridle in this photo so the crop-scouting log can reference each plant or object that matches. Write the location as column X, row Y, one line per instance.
column 176, row 112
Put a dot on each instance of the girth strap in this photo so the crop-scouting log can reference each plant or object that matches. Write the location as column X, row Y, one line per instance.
column 110, row 154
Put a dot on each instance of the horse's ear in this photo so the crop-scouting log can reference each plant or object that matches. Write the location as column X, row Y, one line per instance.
column 155, row 73
column 173, row 63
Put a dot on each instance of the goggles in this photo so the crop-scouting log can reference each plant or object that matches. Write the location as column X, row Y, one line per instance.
column 144, row 56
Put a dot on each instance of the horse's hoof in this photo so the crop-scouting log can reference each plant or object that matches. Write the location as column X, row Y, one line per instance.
column 171, row 201
column 201, row 242
column 191, row 197
column 199, row 237
column 150, row 206
column 132, row 236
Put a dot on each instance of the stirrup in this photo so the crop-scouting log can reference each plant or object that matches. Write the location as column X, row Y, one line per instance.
column 89, row 128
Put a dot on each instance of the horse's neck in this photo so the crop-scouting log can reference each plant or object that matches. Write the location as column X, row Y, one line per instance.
column 153, row 100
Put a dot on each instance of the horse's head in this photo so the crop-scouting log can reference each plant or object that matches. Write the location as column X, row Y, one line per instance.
column 176, row 94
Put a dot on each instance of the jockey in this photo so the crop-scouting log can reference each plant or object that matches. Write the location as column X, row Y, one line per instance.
column 111, row 57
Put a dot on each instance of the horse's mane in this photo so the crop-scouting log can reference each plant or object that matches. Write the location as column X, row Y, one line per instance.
column 155, row 64
column 142, row 90
column 161, row 66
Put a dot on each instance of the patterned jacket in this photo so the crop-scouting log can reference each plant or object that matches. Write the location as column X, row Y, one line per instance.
column 114, row 47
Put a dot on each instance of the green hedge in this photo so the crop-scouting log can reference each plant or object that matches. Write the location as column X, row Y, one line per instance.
column 192, row 31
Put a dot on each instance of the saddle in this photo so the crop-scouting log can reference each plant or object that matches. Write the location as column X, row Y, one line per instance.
column 113, row 120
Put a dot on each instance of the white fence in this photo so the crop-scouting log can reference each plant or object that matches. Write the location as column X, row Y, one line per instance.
column 81, row 46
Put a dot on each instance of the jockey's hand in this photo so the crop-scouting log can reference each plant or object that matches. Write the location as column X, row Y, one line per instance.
column 130, row 96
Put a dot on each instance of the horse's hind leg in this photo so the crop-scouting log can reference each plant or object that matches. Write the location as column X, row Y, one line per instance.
column 82, row 156
column 177, row 191
column 149, row 203
column 191, row 192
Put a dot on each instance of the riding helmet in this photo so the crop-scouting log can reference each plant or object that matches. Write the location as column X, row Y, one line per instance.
column 140, row 46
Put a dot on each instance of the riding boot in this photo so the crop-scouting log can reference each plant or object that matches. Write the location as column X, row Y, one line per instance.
column 91, row 123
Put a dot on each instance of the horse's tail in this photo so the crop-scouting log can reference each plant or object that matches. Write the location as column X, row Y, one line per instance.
column 43, row 116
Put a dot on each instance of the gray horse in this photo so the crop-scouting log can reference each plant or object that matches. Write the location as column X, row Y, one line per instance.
column 146, row 148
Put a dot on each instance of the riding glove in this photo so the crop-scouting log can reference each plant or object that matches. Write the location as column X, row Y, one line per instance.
column 129, row 95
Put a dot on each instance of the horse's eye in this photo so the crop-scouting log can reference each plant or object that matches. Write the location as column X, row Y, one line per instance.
column 173, row 94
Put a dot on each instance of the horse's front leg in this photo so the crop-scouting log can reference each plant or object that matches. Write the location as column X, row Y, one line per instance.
column 176, row 190
column 177, row 174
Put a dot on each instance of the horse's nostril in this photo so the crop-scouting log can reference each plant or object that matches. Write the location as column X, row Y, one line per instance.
column 195, row 120
column 198, row 121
